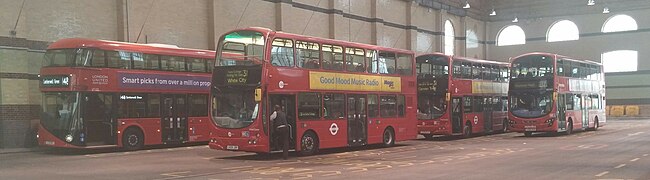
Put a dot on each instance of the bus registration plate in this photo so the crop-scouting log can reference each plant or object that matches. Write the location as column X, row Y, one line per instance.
column 530, row 128
column 232, row 147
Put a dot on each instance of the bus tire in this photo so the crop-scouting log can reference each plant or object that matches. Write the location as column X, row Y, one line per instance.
column 308, row 144
column 428, row 136
column 528, row 134
column 132, row 139
column 595, row 124
column 467, row 130
column 388, row 139
column 569, row 128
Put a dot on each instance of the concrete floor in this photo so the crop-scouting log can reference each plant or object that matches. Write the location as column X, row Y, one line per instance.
column 617, row 151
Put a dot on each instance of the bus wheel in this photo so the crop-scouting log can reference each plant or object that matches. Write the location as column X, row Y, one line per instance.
column 467, row 130
column 528, row 134
column 595, row 124
column 428, row 136
column 389, row 137
column 569, row 129
column 308, row 144
column 132, row 139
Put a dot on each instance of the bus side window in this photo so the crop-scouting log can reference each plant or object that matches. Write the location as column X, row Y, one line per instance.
column 467, row 70
column 457, row 72
column 569, row 101
column 197, row 103
column 153, row 105
column 387, row 62
column 354, row 60
column 333, row 106
column 308, row 54
column 476, row 71
column 99, row 58
column 401, row 106
column 309, row 106
column 119, row 59
column 373, row 106
column 388, row 106
column 478, row 104
column 467, row 104
column 332, row 57
column 371, row 61
column 405, row 64
column 151, row 61
column 282, row 52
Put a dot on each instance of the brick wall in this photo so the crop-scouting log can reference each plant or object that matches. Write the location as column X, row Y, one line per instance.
column 16, row 125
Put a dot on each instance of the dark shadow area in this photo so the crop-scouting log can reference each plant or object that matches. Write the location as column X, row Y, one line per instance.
column 277, row 155
column 100, row 150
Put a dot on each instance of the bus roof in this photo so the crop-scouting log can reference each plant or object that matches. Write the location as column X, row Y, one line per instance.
column 267, row 32
column 558, row 56
column 467, row 59
column 131, row 47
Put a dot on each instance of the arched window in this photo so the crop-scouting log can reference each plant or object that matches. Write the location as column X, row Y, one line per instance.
column 563, row 30
column 449, row 38
column 511, row 35
column 619, row 23
column 472, row 40
column 620, row 61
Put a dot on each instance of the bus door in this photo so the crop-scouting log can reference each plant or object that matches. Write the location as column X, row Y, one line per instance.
column 487, row 114
column 288, row 104
column 456, row 115
column 561, row 111
column 585, row 111
column 99, row 118
column 357, row 134
column 174, row 118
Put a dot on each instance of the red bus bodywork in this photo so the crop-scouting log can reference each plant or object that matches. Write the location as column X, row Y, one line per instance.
column 116, row 86
column 286, row 84
column 577, row 100
column 486, row 91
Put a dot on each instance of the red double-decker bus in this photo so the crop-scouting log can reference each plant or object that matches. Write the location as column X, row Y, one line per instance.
column 100, row 93
column 461, row 96
column 554, row 93
column 335, row 93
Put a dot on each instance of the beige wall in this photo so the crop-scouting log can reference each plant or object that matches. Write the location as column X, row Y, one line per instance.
column 587, row 47
column 184, row 24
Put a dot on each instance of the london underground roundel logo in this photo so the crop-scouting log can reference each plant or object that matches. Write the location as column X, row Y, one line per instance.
column 334, row 129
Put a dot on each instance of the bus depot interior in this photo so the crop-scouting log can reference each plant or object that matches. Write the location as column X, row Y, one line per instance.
column 418, row 89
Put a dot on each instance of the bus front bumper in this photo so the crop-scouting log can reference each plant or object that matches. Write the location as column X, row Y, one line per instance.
column 237, row 144
column 46, row 138
column 433, row 127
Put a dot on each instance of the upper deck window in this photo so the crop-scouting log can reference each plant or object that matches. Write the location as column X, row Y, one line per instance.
column 282, row 52
column 355, row 59
column 432, row 65
column 66, row 57
column 533, row 66
column 332, row 57
column 247, row 48
column 387, row 63
column 405, row 64
column 119, row 59
column 172, row 63
column 308, row 54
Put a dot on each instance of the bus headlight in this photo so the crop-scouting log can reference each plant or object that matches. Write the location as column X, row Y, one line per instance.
column 550, row 122
column 68, row 138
